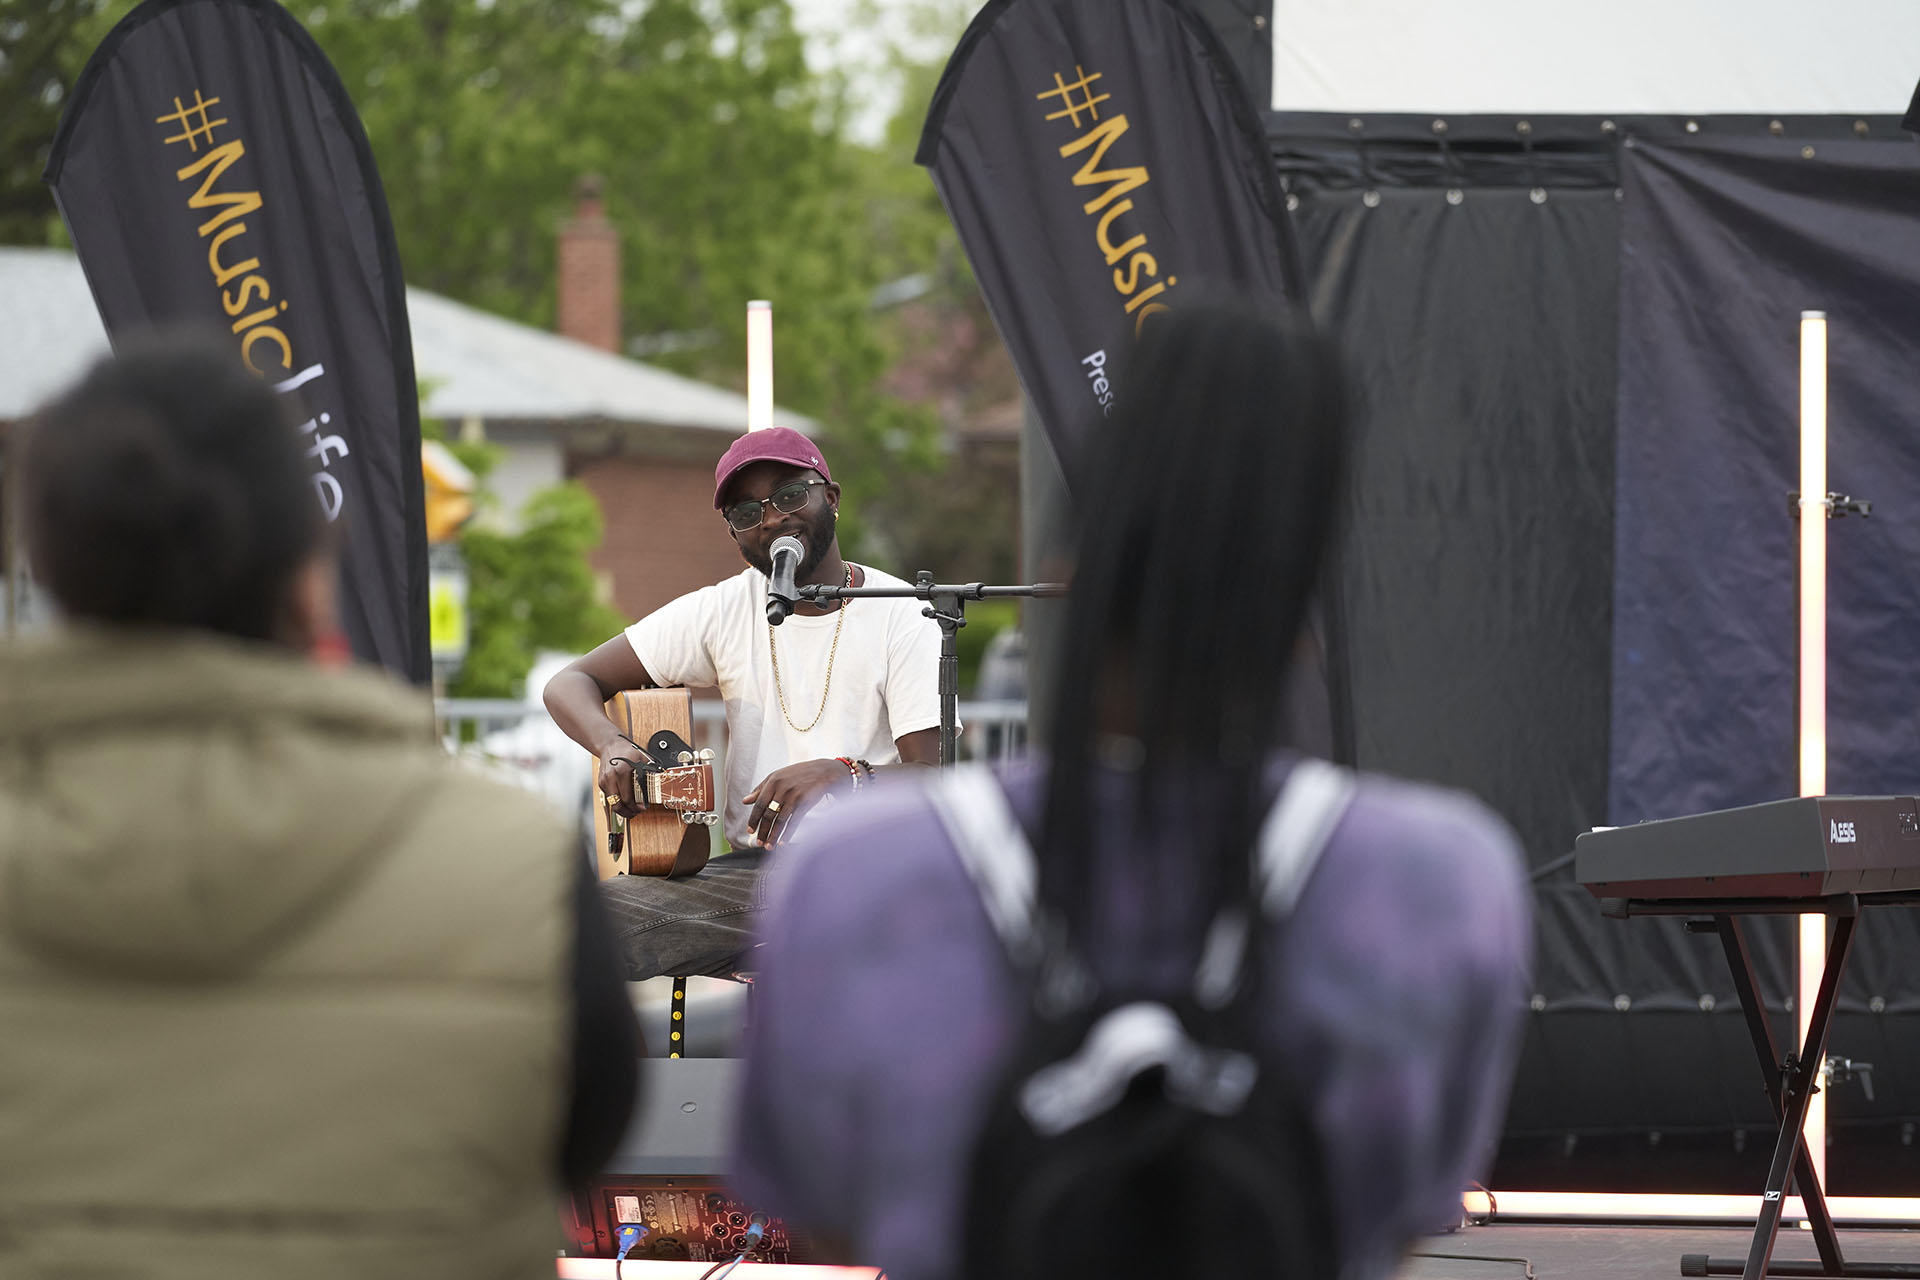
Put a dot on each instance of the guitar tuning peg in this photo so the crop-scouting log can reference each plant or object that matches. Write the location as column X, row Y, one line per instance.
column 706, row 755
column 685, row 757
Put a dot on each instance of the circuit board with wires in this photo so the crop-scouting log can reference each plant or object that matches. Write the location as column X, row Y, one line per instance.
column 695, row 1220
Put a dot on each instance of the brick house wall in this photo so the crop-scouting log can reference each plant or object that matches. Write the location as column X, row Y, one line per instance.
column 663, row 538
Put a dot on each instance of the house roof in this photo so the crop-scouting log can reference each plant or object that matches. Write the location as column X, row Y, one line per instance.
column 472, row 363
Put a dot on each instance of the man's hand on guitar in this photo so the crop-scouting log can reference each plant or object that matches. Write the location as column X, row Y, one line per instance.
column 786, row 793
column 618, row 782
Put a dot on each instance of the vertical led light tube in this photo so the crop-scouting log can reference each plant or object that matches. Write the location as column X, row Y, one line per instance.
column 759, row 365
column 1813, row 668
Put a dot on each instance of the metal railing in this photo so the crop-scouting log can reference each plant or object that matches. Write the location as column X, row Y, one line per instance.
column 993, row 730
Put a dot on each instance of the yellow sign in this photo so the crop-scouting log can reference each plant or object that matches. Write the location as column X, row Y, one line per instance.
column 450, row 489
column 447, row 614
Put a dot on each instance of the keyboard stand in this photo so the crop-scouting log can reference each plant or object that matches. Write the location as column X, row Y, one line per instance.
column 1791, row 1081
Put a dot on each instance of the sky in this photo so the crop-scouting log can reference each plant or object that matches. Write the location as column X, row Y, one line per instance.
column 855, row 34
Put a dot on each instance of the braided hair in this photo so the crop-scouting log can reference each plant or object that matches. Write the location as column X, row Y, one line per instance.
column 1206, row 506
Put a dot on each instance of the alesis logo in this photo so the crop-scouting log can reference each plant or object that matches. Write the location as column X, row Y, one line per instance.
column 1841, row 833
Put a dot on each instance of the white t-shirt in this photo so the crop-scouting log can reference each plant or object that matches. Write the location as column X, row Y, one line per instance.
column 884, row 673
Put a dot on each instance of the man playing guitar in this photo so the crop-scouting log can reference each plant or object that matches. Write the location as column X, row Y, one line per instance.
column 842, row 690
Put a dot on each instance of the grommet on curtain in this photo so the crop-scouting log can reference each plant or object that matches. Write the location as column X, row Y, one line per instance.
column 1693, row 126
column 1860, row 129
column 1293, row 202
column 1608, row 126
column 1806, row 153
column 1538, row 190
column 1775, row 128
column 1456, row 196
column 1449, row 162
column 1370, row 196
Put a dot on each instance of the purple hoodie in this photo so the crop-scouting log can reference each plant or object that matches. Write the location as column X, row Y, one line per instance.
column 885, row 1008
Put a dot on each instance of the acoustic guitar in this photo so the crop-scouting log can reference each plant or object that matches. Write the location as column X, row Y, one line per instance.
column 669, row 837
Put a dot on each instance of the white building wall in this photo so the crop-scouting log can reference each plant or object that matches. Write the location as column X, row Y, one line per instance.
column 527, row 467
column 1596, row 57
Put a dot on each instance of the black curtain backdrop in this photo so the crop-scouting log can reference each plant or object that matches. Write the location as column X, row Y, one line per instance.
column 1724, row 241
column 1475, row 270
column 213, row 174
column 1476, row 576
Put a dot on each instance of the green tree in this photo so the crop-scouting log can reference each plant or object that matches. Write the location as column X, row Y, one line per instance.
column 531, row 590
column 43, row 45
column 527, row 590
column 728, row 171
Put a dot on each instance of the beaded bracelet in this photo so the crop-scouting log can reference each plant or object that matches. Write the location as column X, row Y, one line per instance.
column 853, row 769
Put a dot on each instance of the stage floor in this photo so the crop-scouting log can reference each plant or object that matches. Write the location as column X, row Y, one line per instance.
column 1515, row 1251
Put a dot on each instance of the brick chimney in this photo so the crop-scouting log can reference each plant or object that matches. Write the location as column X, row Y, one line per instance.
column 588, row 306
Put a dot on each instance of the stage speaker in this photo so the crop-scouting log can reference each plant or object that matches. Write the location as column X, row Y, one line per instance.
column 669, row 1176
column 684, row 1121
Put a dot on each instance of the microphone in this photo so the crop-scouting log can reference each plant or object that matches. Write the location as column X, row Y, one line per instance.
column 781, row 593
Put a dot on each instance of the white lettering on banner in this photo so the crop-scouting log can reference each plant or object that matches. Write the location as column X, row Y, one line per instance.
column 1842, row 833
column 1098, row 381
column 329, row 493
column 300, row 379
column 325, row 448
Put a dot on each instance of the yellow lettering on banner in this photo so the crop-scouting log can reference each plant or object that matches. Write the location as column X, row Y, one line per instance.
column 1159, row 288
column 264, row 313
column 255, row 285
column 1142, row 262
column 223, row 274
column 1116, row 252
column 1149, row 309
column 1078, row 104
column 216, row 162
column 1101, row 137
column 278, row 338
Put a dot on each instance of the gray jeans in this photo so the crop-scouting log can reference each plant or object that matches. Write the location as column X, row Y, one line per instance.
column 702, row 925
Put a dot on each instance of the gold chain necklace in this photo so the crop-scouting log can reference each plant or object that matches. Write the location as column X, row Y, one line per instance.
column 826, row 688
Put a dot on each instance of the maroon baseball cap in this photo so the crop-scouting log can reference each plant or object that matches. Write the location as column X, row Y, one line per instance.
column 774, row 444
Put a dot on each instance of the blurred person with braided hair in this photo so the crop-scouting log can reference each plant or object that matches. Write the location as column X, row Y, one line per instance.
column 1038, row 1021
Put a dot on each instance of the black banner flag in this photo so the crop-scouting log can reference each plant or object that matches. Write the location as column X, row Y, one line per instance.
column 1101, row 160
column 212, row 172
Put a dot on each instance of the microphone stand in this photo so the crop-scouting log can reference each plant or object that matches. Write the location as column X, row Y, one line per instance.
column 946, row 605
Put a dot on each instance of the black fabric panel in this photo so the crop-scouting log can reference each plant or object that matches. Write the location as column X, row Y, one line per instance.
column 1102, row 164
column 1480, row 581
column 1245, row 28
column 1723, row 243
column 263, row 193
column 1477, row 577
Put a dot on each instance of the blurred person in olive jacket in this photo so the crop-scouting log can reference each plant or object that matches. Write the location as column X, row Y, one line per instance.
column 285, row 992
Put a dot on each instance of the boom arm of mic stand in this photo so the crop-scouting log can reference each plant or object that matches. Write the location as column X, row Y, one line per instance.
column 946, row 605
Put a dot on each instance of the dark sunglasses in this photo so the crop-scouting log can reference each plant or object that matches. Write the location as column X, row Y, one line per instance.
column 788, row 498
